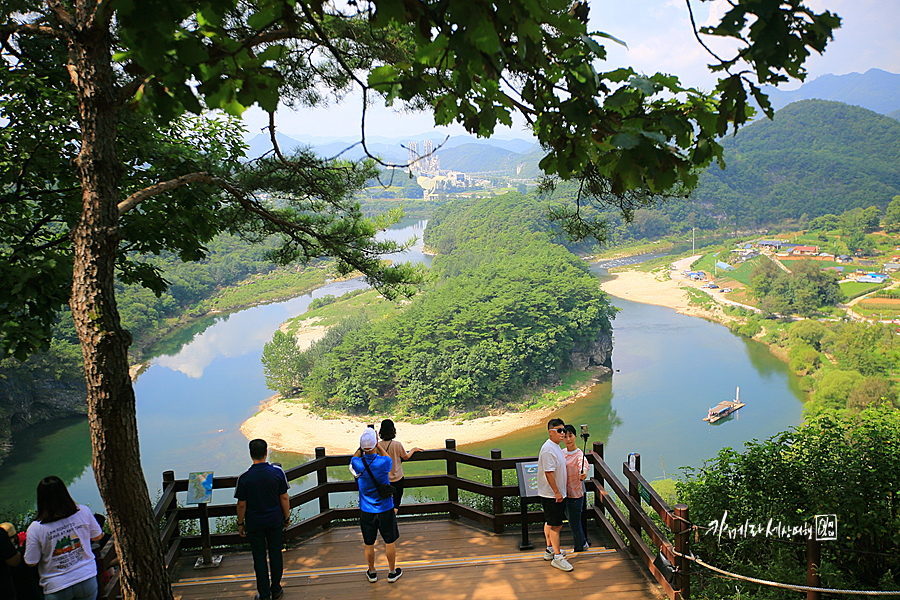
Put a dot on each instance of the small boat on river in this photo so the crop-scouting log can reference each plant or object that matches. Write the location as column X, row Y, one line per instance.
column 724, row 408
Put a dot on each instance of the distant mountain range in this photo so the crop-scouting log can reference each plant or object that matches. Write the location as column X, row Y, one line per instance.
column 803, row 140
column 815, row 157
column 877, row 90
column 463, row 153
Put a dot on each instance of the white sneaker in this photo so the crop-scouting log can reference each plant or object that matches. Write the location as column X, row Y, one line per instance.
column 548, row 553
column 586, row 547
column 562, row 564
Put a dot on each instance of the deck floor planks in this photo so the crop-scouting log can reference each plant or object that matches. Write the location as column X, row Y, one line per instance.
column 313, row 569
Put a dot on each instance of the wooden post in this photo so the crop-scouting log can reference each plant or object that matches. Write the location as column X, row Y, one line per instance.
column 452, row 490
column 204, row 534
column 322, row 482
column 497, row 481
column 169, row 479
column 598, row 449
column 682, row 534
column 813, row 560
column 634, row 462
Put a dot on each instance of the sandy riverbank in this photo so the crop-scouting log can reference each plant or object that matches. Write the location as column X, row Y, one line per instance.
column 287, row 425
column 658, row 289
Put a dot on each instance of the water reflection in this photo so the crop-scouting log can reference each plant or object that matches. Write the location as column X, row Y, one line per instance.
column 191, row 402
column 670, row 369
column 61, row 448
column 214, row 343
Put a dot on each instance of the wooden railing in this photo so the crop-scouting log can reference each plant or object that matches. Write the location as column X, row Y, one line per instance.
column 605, row 509
column 638, row 521
column 169, row 515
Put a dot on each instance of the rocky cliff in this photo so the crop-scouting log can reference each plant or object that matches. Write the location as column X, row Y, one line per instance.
column 596, row 354
column 24, row 402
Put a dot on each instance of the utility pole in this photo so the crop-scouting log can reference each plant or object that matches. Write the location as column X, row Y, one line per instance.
column 693, row 250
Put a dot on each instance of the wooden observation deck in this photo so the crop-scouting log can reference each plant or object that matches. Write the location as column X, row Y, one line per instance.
column 441, row 559
column 455, row 548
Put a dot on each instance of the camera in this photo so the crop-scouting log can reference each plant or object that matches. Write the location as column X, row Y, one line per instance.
column 584, row 433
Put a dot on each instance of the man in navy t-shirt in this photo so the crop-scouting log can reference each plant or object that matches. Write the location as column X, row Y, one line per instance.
column 376, row 513
column 263, row 511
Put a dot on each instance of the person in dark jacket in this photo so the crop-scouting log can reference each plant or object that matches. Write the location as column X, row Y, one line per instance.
column 263, row 511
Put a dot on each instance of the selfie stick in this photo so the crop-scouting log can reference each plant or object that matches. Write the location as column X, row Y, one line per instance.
column 584, row 435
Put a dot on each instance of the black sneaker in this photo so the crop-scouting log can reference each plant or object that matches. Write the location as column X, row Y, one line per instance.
column 395, row 575
column 372, row 575
column 278, row 594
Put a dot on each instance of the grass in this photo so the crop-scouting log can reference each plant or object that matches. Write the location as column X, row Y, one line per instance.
column 636, row 248
column 275, row 285
column 742, row 273
column 569, row 385
column 873, row 308
column 700, row 298
column 853, row 289
column 369, row 301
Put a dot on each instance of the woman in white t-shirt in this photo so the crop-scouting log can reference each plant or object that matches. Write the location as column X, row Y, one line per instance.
column 398, row 454
column 59, row 543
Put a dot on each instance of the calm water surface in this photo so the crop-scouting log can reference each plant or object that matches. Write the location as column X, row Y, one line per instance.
column 669, row 369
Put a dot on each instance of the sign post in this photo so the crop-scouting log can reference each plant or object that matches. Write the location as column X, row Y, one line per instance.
column 199, row 492
column 527, row 474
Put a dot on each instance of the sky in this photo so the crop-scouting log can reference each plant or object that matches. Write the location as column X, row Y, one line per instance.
column 659, row 39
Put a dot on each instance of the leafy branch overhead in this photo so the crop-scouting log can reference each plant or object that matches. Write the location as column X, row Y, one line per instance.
column 100, row 166
column 476, row 63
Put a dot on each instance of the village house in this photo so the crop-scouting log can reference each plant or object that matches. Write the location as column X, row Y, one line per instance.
column 805, row 251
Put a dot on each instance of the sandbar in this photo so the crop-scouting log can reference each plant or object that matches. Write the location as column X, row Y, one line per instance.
column 287, row 425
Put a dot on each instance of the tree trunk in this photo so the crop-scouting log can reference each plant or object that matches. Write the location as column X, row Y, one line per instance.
column 111, row 403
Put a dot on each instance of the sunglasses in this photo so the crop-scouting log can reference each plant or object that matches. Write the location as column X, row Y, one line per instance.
column 560, row 430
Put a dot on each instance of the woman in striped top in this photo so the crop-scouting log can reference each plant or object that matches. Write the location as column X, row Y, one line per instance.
column 576, row 472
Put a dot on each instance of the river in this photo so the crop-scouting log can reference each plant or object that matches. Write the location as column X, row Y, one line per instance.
column 669, row 369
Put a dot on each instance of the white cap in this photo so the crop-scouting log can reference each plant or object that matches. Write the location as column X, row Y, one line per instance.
column 368, row 439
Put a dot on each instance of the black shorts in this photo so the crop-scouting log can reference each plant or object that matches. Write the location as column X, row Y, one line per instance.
column 554, row 512
column 398, row 490
column 373, row 523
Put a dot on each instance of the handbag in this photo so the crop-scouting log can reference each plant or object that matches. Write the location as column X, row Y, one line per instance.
column 385, row 490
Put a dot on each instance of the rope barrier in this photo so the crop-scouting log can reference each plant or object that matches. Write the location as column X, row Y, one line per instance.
column 787, row 586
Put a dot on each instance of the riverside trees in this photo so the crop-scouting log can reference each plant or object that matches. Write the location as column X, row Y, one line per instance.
column 100, row 77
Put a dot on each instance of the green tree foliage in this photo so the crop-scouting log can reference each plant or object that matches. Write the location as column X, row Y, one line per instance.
column 862, row 347
column 872, row 391
column 809, row 332
column 74, row 203
column 284, row 364
column 891, row 221
column 802, row 291
column 481, row 220
column 477, row 339
column 844, row 465
column 833, row 390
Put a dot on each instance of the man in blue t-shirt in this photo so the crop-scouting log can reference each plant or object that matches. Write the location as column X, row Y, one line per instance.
column 263, row 511
column 376, row 513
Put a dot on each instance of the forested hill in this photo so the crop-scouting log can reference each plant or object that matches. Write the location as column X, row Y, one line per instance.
column 482, row 220
column 485, row 159
column 507, row 311
column 815, row 157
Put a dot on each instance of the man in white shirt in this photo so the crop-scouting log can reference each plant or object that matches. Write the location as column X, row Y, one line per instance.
column 551, row 484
